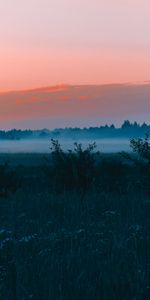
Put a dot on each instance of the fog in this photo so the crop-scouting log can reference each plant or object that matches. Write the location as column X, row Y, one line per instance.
column 43, row 145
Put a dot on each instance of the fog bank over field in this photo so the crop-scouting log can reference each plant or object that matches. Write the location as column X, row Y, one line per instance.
column 43, row 145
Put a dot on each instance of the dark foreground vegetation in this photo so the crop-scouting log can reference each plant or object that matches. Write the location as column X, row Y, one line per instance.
column 75, row 225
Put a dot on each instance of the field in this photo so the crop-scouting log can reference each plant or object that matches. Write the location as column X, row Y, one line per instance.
column 73, row 243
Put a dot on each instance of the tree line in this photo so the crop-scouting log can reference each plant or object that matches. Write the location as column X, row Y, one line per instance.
column 127, row 129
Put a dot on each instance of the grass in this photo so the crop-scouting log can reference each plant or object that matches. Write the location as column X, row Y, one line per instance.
column 73, row 244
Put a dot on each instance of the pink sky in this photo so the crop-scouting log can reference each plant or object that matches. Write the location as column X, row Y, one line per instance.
column 80, row 105
column 47, row 42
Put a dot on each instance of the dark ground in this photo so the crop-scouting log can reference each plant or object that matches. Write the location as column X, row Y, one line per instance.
column 73, row 244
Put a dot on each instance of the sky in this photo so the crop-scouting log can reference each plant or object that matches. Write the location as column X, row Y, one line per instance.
column 74, row 106
column 51, row 42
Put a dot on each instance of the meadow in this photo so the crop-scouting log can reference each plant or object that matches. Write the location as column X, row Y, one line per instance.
column 75, row 225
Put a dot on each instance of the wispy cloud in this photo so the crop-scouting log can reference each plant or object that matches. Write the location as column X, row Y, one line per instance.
column 99, row 102
column 83, row 97
column 27, row 100
column 57, row 89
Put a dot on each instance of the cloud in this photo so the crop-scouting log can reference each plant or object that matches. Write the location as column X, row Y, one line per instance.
column 83, row 97
column 27, row 100
column 56, row 88
column 41, row 94
column 65, row 97
column 107, row 102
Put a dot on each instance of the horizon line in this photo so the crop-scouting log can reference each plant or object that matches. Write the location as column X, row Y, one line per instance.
column 81, row 128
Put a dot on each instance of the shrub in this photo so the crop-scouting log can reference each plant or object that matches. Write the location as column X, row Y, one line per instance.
column 112, row 174
column 141, row 147
column 8, row 181
column 73, row 169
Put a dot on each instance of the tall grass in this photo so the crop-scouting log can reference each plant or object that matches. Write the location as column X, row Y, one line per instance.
column 76, row 241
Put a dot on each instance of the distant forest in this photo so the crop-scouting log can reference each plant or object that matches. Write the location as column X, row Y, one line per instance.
column 127, row 130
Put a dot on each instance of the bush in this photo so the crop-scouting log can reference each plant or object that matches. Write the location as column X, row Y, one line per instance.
column 141, row 147
column 112, row 174
column 141, row 160
column 73, row 169
column 8, row 181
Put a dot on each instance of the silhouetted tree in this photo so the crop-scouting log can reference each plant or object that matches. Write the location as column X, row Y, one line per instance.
column 126, row 124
